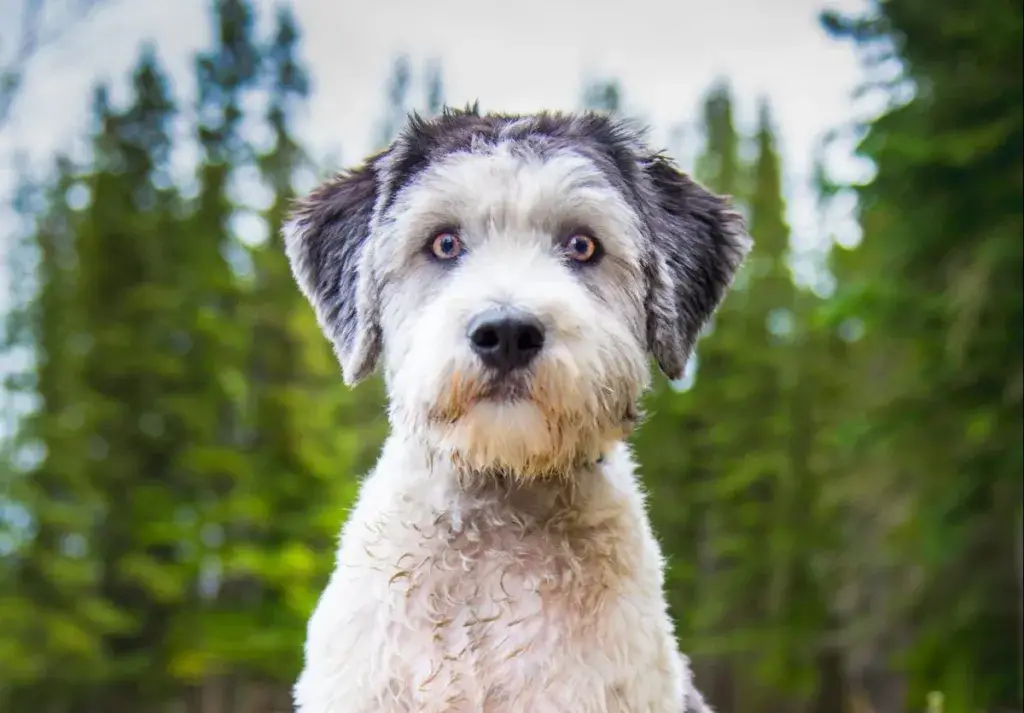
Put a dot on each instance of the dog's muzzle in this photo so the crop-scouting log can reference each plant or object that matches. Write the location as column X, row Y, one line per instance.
column 505, row 339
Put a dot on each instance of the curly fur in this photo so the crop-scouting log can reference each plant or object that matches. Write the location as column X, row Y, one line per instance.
column 499, row 557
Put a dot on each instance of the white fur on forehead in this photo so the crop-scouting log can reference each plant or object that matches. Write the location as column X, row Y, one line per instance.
column 614, row 142
column 513, row 194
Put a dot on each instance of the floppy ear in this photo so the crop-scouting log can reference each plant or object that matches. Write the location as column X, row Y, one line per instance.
column 697, row 243
column 326, row 241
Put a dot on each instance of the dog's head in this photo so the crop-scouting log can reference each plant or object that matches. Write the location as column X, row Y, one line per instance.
column 512, row 273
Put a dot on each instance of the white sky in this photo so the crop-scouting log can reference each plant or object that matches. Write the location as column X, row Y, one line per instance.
column 520, row 56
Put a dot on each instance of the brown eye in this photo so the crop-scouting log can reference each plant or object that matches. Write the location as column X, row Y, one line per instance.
column 446, row 246
column 581, row 248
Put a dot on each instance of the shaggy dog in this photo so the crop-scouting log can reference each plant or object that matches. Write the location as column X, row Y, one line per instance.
column 510, row 275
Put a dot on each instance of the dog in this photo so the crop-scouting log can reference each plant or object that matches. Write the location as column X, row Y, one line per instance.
column 511, row 275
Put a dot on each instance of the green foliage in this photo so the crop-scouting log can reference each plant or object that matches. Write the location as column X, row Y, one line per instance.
column 744, row 527
column 181, row 475
column 938, row 287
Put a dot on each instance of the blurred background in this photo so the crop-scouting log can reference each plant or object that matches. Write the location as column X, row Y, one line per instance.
column 837, row 480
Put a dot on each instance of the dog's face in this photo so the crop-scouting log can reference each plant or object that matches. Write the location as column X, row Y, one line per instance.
column 513, row 274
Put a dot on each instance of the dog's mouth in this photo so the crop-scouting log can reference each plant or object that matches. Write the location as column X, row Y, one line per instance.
column 464, row 392
column 506, row 387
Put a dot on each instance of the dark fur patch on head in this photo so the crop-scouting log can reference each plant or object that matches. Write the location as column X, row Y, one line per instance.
column 607, row 142
column 325, row 243
column 698, row 243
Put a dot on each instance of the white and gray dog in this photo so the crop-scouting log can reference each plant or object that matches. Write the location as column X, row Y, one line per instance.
column 511, row 274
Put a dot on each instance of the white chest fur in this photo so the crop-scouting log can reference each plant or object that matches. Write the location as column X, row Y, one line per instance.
column 544, row 598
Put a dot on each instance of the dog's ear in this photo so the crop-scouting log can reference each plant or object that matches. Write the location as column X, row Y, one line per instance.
column 697, row 243
column 326, row 240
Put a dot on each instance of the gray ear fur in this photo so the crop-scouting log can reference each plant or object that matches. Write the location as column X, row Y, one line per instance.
column 326, row 239
column 697, row 243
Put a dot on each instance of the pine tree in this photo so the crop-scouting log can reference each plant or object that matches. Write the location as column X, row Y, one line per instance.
column 51, row 611
column 306, row 428
column 937, row 420
column 753, row 604
column 215, row 346
column 398, row 88
column 603, row 95
column 125, row 292
column 435, row 87
column 687, row 511
column 719, row 164
column 781, row 380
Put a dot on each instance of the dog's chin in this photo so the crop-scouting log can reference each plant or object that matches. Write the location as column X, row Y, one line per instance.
column 507, row 430
column 536, row 424
column 514, row 437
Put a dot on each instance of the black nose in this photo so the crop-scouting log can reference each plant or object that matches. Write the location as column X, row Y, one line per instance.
column 506, row 339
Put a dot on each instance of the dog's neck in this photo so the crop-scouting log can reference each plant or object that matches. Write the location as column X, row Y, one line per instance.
column 429, row 476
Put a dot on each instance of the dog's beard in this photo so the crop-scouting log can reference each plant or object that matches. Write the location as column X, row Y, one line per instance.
column 542, row 423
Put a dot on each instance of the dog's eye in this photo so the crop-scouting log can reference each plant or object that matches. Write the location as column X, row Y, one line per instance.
column 581, row 248
column 446, row 246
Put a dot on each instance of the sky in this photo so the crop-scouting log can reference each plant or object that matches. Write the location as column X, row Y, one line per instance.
column 512, row 57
